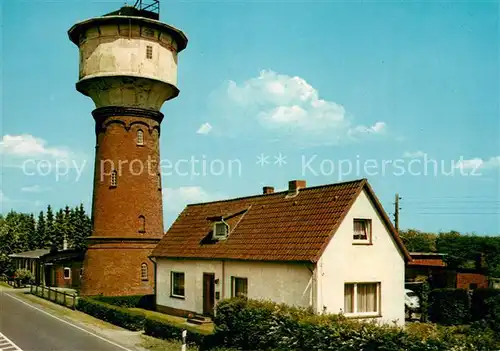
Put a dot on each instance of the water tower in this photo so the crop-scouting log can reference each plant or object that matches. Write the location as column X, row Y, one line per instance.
column 128, row 67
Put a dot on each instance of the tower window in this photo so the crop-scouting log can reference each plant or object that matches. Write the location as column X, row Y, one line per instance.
column 144, row 271
column 159, row 181
column 149, row 52
column 142, row 224
column 140, row 137
column 114, row 178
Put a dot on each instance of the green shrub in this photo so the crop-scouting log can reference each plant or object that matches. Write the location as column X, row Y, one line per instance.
column 24, row 276
column 479, row 308
column 146, row 302
column 262, row 325
column 120, row 316
column 449, row 306
column 168, row 330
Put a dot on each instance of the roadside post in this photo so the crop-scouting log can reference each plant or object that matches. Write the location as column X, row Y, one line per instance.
column 184, row 335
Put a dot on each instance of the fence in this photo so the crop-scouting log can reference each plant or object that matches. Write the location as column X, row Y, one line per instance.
column 54, row 295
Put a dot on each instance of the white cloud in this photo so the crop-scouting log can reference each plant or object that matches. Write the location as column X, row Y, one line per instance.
column 3, row 198
column 26, row 145
column 18, row 149
column 175, row 199
column 205, row 128
column 475, row 163
column 35, row 189
column 414, row 154
column 280, row 103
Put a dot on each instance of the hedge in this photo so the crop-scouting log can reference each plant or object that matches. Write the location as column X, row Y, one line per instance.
column 449, row 306
column 168, row 330
column 146, row 302
column 119, row 316
column 263, row 325
column 479, row 307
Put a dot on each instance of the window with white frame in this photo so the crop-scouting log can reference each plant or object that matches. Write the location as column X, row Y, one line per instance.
column 140, row 137
column 362, row 230
column 67, row 273
column 239, row 287
column 177, row 284
column 362, row 299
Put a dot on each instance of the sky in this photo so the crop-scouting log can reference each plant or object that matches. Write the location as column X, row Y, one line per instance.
column 403, row 94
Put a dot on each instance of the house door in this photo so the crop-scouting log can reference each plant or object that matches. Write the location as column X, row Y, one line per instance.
column 208, row 293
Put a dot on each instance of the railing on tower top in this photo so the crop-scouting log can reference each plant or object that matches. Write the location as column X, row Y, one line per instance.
column 151, row 5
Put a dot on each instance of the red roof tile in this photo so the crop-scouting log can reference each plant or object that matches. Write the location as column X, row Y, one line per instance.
column 271, row 227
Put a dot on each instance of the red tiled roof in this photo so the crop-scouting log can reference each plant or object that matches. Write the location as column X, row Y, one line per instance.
column 271, row 227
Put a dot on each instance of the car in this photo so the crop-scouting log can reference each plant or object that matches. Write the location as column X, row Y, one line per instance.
column 412, row 302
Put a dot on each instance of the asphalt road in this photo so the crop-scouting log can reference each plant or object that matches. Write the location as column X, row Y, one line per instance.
column 31, row 329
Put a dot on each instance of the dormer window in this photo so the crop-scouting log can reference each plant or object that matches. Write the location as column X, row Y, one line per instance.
column 221, row 230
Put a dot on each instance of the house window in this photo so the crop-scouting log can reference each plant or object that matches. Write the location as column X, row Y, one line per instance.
column 149, row 52
column 140, row 137
column 362, row 230
column 142, row 224
column 362, row 299
column 67, row 273
column 220, row 230
column 144, row 271
column 239, row 287
column 177, row 284
column 114, row 178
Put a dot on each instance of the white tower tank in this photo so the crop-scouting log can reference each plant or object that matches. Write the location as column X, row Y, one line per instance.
column 128, row 58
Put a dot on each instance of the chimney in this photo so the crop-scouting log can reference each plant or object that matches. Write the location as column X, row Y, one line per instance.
column 295, row 185
column 267, row 190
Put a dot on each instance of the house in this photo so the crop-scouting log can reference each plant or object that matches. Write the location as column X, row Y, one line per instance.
column 331, row 248
column 56, row 268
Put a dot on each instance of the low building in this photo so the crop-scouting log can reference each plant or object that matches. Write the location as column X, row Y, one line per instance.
column 331, row 248
column 56, row 268
column 432, row 267
column 32, row 261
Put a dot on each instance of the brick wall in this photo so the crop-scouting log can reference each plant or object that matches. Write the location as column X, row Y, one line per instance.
column 464, row 280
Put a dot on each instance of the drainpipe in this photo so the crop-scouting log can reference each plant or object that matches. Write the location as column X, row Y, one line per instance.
column 223, row 292
column 153, row 259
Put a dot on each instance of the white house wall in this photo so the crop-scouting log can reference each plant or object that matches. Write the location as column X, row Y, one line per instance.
column 280, row 282
column 380, row 262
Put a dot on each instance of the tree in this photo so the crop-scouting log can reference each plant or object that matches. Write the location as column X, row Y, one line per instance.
column 58, row 232
column 417, row 241
column 49, row 227
column 41, row 237
column 31, row 226
column 81, row 228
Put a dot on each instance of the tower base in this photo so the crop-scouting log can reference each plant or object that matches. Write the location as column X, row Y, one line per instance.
column 115, row 267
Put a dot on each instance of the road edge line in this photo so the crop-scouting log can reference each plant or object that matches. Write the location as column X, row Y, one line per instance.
column 73, row 325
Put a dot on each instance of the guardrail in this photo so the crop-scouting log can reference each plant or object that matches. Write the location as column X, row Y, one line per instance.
column 54, row 295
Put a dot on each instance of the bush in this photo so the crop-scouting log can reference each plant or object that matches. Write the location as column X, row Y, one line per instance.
column 146, row 302
column 120, row 316
column 479, row 308
column 168, row 330
column 24, row 276
column 262, row 325
column 449, row 306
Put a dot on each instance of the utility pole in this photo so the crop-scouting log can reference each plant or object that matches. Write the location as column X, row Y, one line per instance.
column 396, row 212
